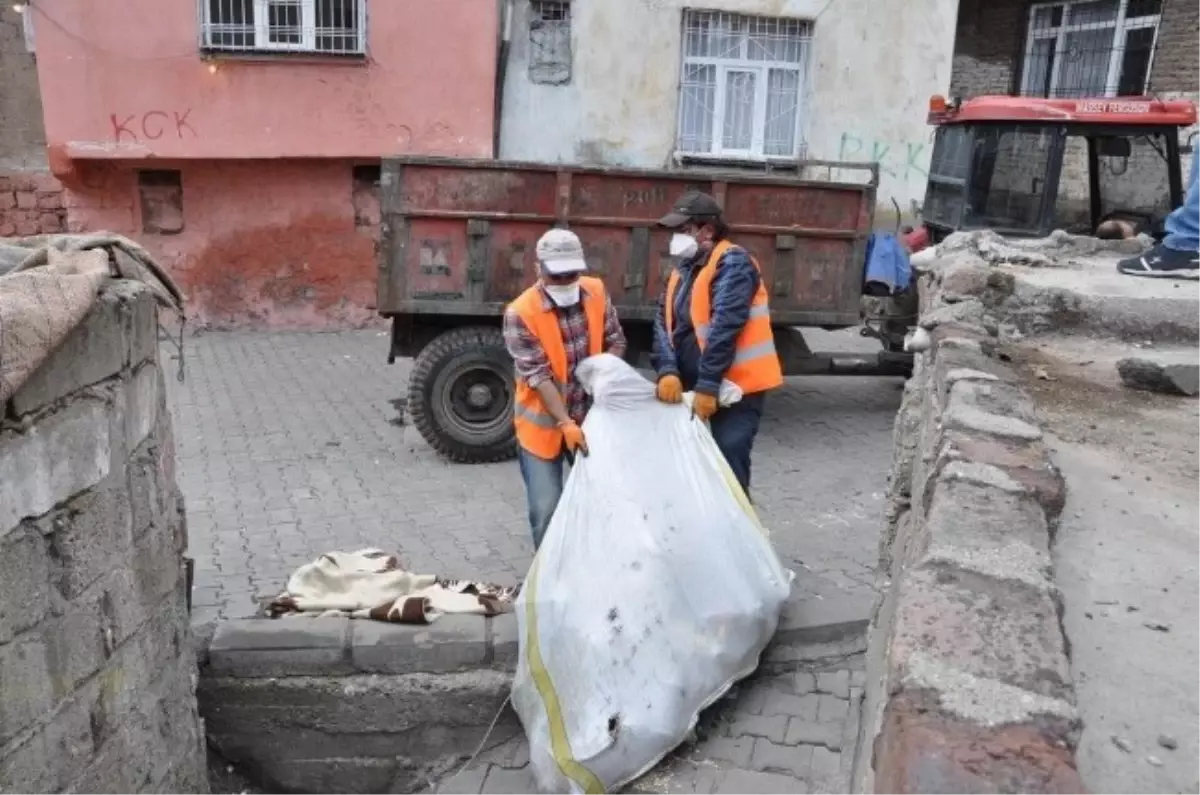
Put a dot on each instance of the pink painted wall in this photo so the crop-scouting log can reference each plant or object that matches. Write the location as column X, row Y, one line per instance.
column 125, row 79
column 265, row 243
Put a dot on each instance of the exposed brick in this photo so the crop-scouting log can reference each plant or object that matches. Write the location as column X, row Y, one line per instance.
column 49, row 201
column 26, row 200
column 8, row 200
column 921, row 749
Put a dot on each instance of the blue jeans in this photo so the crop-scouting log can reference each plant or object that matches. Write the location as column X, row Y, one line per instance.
column 543, row 488
column 1183, row 225
column 734, row 429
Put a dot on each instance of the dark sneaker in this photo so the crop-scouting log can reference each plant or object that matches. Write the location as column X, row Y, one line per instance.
column 1161, row 262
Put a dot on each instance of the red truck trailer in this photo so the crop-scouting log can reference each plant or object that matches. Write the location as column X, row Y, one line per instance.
column 458, row 245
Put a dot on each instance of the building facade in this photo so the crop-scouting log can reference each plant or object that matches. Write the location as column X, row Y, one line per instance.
column 239, row 140
column 670, row 83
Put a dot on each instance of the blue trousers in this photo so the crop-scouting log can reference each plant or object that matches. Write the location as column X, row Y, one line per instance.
column 734, row 429
column 1183, row 225
column 543, row 488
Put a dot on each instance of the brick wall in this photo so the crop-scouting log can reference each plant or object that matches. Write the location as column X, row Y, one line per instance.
column 1176, row 66
column 22, row 134
column 31, row 204
column 987, row 47
column 97, row 669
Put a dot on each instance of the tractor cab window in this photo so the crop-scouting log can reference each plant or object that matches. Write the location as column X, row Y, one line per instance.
column 1007, row 180
column 1132, row 180
column 948, row 171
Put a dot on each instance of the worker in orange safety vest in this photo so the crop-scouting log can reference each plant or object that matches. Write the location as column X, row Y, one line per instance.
column 549, row 329
column 713, row 323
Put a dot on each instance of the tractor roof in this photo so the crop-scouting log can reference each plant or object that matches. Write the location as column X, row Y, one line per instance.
column 1121, row 110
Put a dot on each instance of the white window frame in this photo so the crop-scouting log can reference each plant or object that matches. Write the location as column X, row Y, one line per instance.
column 1121, row 27
column 262, row 29
column 761, row 69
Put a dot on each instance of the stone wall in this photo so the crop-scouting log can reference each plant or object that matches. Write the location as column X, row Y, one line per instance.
column 97, row 672
column 968, row 685
column 31, row 204
column 339, row 705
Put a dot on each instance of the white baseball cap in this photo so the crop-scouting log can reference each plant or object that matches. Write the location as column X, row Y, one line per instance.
column 560, row 252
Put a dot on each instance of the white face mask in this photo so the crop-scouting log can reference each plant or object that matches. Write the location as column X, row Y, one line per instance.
column 683, row 245
column 563, row 294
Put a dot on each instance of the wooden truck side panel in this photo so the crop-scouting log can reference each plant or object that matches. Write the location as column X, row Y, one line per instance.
column 459, row 236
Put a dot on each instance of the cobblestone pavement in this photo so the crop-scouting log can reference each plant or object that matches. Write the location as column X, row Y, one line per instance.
column 291, row 445
column 788, row 733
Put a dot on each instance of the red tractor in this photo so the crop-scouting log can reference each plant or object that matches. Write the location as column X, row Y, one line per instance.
column 1025, row 167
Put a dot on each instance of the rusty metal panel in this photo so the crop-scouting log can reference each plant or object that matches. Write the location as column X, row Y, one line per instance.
column 463, row 233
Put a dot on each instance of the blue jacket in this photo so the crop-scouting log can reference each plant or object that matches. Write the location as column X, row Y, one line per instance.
column 733, row 290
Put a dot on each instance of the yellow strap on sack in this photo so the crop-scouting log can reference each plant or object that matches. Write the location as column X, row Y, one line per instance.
column 560, row 745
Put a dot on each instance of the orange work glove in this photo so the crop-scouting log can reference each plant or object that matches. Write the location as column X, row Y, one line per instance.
column 704, row 406
column 670, row 389
column 573, row 438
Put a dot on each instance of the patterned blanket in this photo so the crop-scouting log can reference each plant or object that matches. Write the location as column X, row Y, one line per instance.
column 370, row 583
column 49, row 283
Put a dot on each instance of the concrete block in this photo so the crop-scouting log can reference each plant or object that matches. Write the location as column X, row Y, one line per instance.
column 962, row 513
column 921, row 749
column 997, row 398
column 139, row 315
column 157, row 564
column 130, row 760
column 285, row 647
column 75, row 645
column 836, row 683
column 28, row 690
column 141, row 404
column 89, row 538
column 969, row 418
column 92, row 352
column 504, row 640
column 1026, row 462
column 60, row 456
column 994, row 629
column 822, row 620
column 48, row 758
column 24, row 582
column 452, row 643
column 146, row 487
column 355, row 704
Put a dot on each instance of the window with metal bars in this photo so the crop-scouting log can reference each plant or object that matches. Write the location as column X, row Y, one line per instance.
column 742, row 89
column 550, row 41
column 1090, row 48
column 334, row 27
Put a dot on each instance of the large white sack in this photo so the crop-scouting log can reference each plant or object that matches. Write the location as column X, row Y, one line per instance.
column 654, row 590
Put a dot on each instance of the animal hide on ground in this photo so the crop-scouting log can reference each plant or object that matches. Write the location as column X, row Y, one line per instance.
column 370, row 583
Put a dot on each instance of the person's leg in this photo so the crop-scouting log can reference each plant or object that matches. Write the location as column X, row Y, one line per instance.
column 734, row 429
column 543, row 488
column 1183, row 224
column 1175, row 257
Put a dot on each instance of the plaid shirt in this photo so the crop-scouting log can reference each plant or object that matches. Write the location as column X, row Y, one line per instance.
column 530, row 359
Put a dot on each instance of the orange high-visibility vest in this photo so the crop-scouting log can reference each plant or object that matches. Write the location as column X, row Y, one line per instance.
column 755, row 365
column 537, row 431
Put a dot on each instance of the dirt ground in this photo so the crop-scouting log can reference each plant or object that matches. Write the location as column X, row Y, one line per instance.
column 1126, row 561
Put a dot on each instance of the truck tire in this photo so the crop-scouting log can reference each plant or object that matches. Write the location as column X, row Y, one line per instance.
column 460, row 396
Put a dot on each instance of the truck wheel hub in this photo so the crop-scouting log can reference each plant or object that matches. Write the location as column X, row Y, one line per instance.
column 479, row 396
